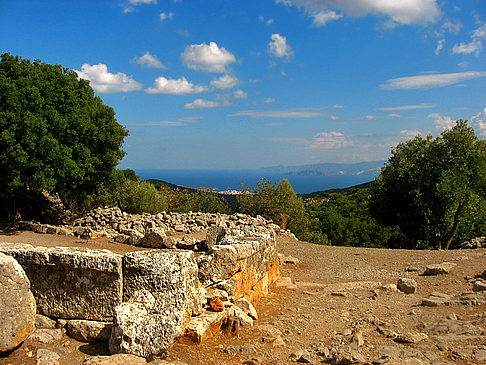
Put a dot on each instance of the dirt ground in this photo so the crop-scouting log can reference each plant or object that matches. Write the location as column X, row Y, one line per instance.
column 338, row 297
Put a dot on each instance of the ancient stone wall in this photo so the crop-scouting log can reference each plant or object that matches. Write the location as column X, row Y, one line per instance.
column 149, row 299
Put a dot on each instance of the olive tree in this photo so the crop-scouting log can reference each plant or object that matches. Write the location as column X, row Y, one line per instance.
column 55, row 134
column 428, row 184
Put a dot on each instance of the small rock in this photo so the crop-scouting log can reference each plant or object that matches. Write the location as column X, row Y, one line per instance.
column 42, row 321
column 247, row 307
column 438, row 269
column 279, row 342
column 89, row 331
column 216, row 305
column 47, row 357
column 411, row 337
column 46, row 335
column 345, row 355
column 356, row 339
column 479, row 286
column 407, row 285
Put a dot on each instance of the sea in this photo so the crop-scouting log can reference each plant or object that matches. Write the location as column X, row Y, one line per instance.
column 222, row 180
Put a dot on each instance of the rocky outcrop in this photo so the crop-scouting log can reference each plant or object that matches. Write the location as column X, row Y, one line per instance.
column 17, row 304
column 71, row 282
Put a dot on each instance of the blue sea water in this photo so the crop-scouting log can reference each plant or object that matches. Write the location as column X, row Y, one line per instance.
column 236, row 179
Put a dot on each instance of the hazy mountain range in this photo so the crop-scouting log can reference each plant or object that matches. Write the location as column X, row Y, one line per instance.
column 329, row 169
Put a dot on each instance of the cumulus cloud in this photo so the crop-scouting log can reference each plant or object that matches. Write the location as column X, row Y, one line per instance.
column 329, row 140
column 431, row 81
column 440, row 45
column 266, row 21
column 279, row 47
column 398, row 12
column 476, row 44
column 174, row 87
column 148, row 60
column 105, row 82
column 240, row 94
column 285, row 113
column 163, row 16
column 225, row 82
column 441, row 122
column 207, row 57
column 201, row 103
column 322, row 17
column 479, row 122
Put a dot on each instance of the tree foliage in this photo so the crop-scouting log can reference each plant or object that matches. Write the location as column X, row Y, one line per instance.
column 429, row 185
column 343, row 218
column 55, row 135
column 278, row 202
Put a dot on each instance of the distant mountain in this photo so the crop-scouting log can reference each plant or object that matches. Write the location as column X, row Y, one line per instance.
column 329, row 169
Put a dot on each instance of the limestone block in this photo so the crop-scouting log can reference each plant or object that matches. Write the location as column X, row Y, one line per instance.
column 17, row 304
column 154, row 237
column 89, row 331
column 214, row 236
column 253, row 256
column 161, row 293
column 407, row 285
column 438, row 269
column 247, row 308
column 204, row 326
column 71, row 282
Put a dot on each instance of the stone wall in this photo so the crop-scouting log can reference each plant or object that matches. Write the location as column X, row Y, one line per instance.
column 152, row 298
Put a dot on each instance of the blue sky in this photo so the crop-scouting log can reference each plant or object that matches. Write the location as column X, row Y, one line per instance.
column 246, row 84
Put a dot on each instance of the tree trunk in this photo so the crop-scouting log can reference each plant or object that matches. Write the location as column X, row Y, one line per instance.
column 453, row 231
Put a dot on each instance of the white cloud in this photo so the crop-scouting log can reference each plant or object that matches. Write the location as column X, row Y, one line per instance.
column 441, row 122
column 279, row 47
column 398, row 12
column 410, row 133
column 430, row 81
column 479, row 122
column 440, row 45
column 148, row 60
column 269, row 100
column 225, row 82
column 394, row 115
column 206, row 57
column 174, row 87
column 285, row 113
column 476, row 44
column 407, row 107
column 105, row 82
column 369, row 117
column 266, row 21
column 201, row 103
column 240, row 94
column 163, row 16
column 130, row 8
column 338, row 106
column 163, row 123
column 329, row 140
column 322, row 17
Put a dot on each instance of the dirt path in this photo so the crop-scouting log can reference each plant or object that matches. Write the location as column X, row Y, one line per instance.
column 338, row 304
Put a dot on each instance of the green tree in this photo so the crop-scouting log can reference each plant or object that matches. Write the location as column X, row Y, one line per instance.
column 428, row 185
column 278, row 202
column 55, row 134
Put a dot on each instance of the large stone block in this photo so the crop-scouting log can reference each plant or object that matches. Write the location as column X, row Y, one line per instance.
column 161, row 293
column 252, row 256
column 17, row 304
column 71, row 282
